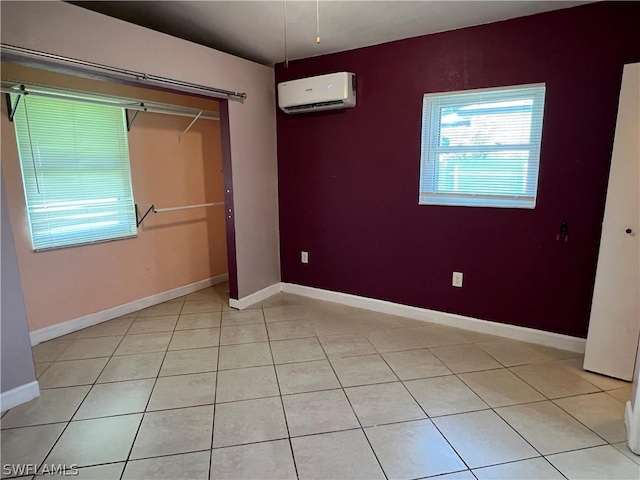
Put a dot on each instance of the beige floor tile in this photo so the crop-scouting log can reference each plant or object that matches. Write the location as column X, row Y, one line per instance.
column 414, row 364
column 90, row 348
column 297, row 350
column 511, row 352
column 28, row 445
column 483, row 439
column 553, row 381
column 574, row 365
column 249, row 421
column 465, row 358
column 551, row 354
column 598, row 411
column 383, row 403
column 165, row 323
column 243, row 334
column 91, row 442
column 115, row 327
column 346, row 345
column 306, row 377
column 144, row 343
column 335, row 325
column 284, row 313
column 195, row 360
column 118, row 398
column 41, row 368
column 72, row 372
column 533, row 469
column 52, row 406
column 290, row 329
column 174, row 431
column 132, row 367
column 202, row 306
column 111, row 471
column 266, row 461
column 183, row 391
column 599, row 462
column 624, row 449
column 191, row 466
column 400, row 339
column 246, row 355
column 476, row 337
column 373, row 321
column 318, row 412
column 246, row 383
column 444, row 396
column 244, row 317
column 194, row 321
column 621, row 394
column 413, row 450
column 500, row 388
column 548, row 428
column 201, row 338
column 49, row 351
column 336, row 456
column 172, row 307
column 365, row 370
column 206, row 295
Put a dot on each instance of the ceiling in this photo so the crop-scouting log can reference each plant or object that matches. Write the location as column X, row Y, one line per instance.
column 255, row 29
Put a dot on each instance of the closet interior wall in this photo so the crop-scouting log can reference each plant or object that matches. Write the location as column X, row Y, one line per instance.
column 171, row 250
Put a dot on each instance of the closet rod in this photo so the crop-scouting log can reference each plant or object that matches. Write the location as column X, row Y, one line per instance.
column 171, row 209
column 26, row 54
column 129, row 106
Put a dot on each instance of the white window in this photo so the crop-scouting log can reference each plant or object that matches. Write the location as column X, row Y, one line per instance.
column 75, row 169
column 481, row 148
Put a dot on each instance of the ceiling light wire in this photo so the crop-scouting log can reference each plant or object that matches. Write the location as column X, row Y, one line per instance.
column 318, row 21
column 286, row 58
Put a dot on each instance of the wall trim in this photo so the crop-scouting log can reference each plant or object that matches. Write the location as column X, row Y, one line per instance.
column 19, row 395
column 54, row 331
column 514, row 332
column 632, row 422
column 256, row 297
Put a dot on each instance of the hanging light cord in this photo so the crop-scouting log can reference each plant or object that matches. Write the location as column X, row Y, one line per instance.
column 318, row 21
column 286, row 58
column 33, row 157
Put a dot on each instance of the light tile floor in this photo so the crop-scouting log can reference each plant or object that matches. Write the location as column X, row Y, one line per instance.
column 299, row 388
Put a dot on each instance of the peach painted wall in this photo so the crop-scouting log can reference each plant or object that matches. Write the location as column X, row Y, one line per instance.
column 172, row 249
column 68, row 30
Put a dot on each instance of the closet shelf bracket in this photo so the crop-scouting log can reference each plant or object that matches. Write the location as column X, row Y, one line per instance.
column 12, row 109
column 130, row 122
column 140, row 220
column 190, row 125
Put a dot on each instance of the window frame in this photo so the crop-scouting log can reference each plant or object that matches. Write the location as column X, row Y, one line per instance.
column 30, row 172
column 428, row 193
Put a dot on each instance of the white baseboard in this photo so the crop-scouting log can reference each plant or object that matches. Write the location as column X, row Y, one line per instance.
column 254, row 298
column 19, row 395
column 514, row 332
column 54, row 331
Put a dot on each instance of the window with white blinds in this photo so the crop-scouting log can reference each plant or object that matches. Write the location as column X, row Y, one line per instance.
column 481, row 148
column 75, row 169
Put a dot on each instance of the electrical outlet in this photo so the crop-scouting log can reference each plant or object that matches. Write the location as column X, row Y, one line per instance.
column 304, row 257
column 456, row 280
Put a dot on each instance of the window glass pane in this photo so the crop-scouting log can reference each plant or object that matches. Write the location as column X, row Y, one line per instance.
column 496, row 123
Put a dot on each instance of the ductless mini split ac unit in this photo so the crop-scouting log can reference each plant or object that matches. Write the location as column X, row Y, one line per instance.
column 324, row 92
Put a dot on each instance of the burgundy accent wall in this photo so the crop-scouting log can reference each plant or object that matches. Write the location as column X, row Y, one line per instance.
column 348, row 180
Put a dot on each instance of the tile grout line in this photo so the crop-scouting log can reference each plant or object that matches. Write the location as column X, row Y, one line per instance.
column 144, row 412
column 344, row 392
column 215, row 397
column 284, row 412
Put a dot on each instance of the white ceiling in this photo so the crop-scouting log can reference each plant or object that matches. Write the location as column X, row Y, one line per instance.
column 255, row 29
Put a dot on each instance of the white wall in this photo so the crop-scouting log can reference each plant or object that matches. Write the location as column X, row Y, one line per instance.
column 67, row 30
